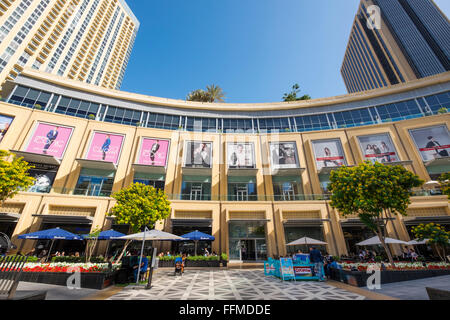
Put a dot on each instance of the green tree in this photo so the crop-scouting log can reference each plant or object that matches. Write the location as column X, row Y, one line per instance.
column 91, row 242
column 212, row 94
column 138, row 206
column 292, row 96
column 373, row 192
column 444, row 181
column 14, row 176
column 436, row 235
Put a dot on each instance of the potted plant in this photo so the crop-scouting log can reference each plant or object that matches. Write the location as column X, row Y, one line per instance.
column 91, row 116
column 138, row 124
column 442, row 110
column 38, row 107
column 224, row 259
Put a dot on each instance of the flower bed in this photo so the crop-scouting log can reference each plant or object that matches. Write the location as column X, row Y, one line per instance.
column 401, row 272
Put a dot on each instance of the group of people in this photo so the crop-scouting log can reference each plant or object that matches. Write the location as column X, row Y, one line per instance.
column 380, row 154
column 367, row 256
column 410, row 254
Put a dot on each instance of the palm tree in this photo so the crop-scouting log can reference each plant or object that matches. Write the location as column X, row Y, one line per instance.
column 215, row 93
column 292, row 96
column 212, row 94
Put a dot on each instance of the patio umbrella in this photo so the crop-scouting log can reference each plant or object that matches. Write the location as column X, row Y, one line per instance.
column 51, row 234
column 375, row 240
column 149, row 235
column 417, row 242
column 305, row 241
column 431, row 184
column 197, row 236
column 107, row 235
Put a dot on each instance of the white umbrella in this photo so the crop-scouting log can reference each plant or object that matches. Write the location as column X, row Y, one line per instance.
column 375, row 240
column 417, row 242
column 152, row 235
column 306, row 241
column 431, row 184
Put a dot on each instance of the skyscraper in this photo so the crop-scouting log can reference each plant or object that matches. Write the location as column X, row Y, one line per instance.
column 412, row 42
column 86, row 40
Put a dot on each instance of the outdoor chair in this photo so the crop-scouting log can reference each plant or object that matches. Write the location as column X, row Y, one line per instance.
column 10, row 273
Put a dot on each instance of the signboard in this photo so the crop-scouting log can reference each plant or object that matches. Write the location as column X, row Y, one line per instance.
column 432, row 142
column 283, row 155
column 5, row 122
column 198, row 154
column 105, row 147
column 328, row 153
column 378, row 148
column 45, row 176
column 270, row 268
column 241, row 155
column 50, row 139
column 153, row 152
column 303, row 271
column 287, row 268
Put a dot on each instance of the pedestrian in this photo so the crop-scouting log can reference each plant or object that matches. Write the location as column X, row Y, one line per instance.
column 316, row 257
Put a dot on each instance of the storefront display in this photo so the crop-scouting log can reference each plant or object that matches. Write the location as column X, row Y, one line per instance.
column 50, row 139
column 44, row 175
column 283, row 155
column 198, row 154
column 378, row 148
column 328, row 153
column 105, row 147
column 241, row 156
column 153, row 152
column 432, row 142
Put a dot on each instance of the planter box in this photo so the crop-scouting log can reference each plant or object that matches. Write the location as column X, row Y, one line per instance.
column 190, row 263
column 166, row 264
column 92, row 280
column 359, row 278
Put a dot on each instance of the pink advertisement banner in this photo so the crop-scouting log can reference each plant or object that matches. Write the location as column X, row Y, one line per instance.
column 50, row 139
column 153, row 152
column 105, row 147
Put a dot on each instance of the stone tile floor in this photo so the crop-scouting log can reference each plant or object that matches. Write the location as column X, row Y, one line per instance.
column 231, row 285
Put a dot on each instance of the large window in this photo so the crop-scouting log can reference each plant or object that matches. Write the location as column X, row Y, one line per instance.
column 94, row 182
column 201, row 124
column 123, row 116
column 287, row 188
column 312, row 123
column 242, row 188
column 154, row 180
column 163, row 121
column 196, row 188
column 237, row 125
column 77, row 108
column 274, row 125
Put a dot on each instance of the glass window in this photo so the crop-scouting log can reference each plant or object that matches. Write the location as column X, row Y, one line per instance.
column 288, row 188
column 96, row 183
column 242, row 189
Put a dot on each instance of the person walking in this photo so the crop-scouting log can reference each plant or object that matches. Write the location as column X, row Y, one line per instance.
column 316, row 257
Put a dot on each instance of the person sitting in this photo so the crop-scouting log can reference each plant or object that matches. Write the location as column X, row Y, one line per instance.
column 179, row 265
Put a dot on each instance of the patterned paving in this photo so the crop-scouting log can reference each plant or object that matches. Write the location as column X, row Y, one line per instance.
column 231, row 285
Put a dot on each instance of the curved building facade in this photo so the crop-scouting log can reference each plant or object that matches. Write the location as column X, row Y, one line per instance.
column 252, row 175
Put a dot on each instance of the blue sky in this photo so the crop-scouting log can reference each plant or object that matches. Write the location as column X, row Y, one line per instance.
column 254, row 49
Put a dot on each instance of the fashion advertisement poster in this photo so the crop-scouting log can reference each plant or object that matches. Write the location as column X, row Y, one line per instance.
column 105, row 147
column 153, row 152
column 241, row 155
column 328, row 153
column 45, row 176
column 5, row 122
column 50, row 139
column 378, row 148
column 432, row 142
column 198, row 154
column 283, row 155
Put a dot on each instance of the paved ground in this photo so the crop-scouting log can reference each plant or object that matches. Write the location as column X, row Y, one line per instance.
column 414, row 289
column 57, row 292
column 232, row 285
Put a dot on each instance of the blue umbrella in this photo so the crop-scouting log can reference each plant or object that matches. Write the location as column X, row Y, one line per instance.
column 107, row 235
column 51, row 234
column 198, row 236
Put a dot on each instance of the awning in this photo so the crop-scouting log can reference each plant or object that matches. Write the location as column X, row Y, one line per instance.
column 96, row 164
column 304, row 222
column 419, row 220
column 9, row 217
column 35, row 157
column 148, row 169
column 249, row 219
column 47, row 218
column 196, row 171
column 287, row 171
column 242, row 172
column 206, row 223
column 438, row 162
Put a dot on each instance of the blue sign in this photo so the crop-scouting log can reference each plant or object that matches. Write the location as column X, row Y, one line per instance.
column 287, row 269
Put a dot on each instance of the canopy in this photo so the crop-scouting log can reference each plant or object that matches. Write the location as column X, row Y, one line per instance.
column 375, row 240
column 107, row 235
column 306, row 241
column 152, row 235
column 417, row 242
column 51, row 234
column 198, row 236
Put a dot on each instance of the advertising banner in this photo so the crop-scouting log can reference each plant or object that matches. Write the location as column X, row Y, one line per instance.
column 303, row 271
column 5, row 122
column 45, row 176
column 50, row 139
column 432, row 142
column 105, row 147
column 241, row 155
column 283, row 155
column 378, row 148
column 328, row 153
column 198, row 154
column 153, row 152
column 287, row 268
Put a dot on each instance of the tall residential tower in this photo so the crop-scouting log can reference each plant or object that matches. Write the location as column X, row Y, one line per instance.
column 86, row 40
column 412, row 42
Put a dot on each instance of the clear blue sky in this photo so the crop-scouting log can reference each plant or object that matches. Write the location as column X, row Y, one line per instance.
column 254, row 49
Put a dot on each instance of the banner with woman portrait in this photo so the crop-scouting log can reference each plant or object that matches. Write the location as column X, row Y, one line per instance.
column 283, row 155
column 5, row 122
column 432, row 142
column 328, row 153
column 154, row 152
column 198, row 154
column 49, row 139
column 241, row 155
column 378, row 148
column 105, row 147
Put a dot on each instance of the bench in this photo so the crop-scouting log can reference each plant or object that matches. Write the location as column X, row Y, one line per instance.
column 438, row 294
column 10, row 272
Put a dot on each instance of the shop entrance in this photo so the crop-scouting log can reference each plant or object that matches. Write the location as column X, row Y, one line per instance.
column 247, row 241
